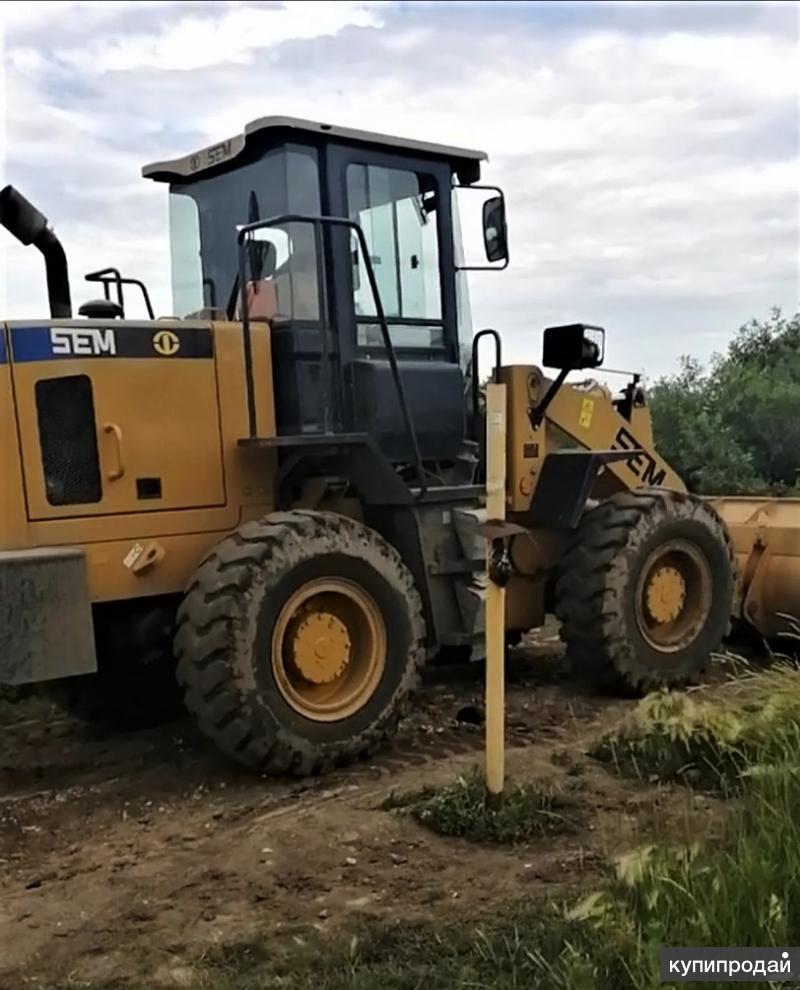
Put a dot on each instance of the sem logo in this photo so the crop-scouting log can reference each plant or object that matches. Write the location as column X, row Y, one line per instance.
column 641, row 463
column 166, row 342
column 91, row 342
column 218, row 153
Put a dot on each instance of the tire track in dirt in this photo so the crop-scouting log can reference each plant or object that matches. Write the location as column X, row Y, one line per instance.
column 56, row 774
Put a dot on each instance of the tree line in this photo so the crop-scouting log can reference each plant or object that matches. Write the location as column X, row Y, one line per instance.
column 734, row 426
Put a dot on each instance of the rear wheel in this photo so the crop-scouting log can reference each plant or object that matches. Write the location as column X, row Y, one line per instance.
column 645, row 590
column 299, row 642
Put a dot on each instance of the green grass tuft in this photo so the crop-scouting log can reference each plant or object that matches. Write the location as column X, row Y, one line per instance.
column 709, row 740
column 461, row 809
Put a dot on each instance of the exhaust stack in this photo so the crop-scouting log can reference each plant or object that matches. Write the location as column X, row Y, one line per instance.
column 29, row 226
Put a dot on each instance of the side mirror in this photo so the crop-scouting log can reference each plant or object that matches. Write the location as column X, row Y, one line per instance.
column 474, row 208
column 568, row 348
column 495, row 233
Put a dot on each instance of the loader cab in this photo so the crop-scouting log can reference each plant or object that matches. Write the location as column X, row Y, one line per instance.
column 315, row 279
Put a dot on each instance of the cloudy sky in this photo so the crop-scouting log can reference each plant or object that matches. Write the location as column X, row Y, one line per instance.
column 650, row 152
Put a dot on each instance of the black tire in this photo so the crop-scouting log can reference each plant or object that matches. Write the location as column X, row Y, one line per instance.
column 135, row 685
column 601, row 570
column 224, row 640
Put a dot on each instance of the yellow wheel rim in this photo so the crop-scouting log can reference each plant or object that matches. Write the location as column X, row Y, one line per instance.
column 665, row 594
column 328, row 649
column 673, row 595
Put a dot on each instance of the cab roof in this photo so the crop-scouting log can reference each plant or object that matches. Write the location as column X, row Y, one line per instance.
column 464, row 162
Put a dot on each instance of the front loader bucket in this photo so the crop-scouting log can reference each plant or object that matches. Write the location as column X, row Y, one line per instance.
column 765, row 533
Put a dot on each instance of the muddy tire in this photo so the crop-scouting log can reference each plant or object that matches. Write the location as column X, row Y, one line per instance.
column 299, row 642
column 645, row 589
column 135, row 685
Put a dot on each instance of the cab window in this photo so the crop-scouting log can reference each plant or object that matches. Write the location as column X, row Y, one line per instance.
column 204, row 214
column 397, row 210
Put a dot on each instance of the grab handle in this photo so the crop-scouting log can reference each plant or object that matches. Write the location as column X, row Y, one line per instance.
column 118, row 470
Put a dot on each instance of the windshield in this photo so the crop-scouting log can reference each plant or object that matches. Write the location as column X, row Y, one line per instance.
column 204, row 215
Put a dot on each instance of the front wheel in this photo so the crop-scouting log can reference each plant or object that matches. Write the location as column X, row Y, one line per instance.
column 645, row 590
column 299, row 642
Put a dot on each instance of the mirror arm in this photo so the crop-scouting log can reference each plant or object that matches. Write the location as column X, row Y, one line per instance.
column 536, row 413
column 482, row 268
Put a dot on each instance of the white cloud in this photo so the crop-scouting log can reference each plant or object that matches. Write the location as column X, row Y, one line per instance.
column 651, row 175
column 20, row 16
column 199, row 41
column 761, row 69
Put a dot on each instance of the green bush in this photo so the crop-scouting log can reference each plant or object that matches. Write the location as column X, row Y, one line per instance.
column 735, row 426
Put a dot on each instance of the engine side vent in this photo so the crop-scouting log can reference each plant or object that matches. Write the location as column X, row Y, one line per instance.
column 68, row 440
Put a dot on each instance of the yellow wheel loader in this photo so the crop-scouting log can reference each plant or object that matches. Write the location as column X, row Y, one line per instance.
column 288, row 473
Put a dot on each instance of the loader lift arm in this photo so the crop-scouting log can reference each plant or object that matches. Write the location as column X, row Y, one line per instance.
column 569, row 442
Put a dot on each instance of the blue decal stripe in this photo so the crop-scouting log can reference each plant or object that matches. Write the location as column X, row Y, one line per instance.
column 31, row 344
column 157, row 342
column 3, row 352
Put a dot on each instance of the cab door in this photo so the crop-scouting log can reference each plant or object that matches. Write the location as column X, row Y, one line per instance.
column 403, row 205
column 117, row 417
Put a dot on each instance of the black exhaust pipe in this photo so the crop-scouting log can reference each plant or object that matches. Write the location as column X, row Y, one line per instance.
column 29, row 226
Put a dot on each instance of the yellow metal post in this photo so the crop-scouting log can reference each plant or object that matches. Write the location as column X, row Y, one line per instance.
column 495, row 593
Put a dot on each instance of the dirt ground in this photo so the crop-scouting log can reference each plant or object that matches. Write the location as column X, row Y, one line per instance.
column 129, row 855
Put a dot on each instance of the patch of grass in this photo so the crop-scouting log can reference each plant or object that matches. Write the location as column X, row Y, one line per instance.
column 709, row 739
column 744, row 891
column 461, row 809
column 673, row 736
column 505, row 953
